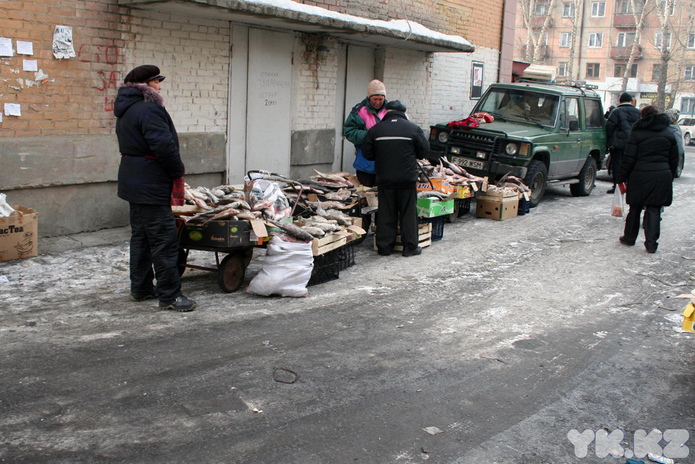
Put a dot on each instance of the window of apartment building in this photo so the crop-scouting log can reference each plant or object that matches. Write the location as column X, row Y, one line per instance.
column 562, row 68
column 690, row 73
column 625, row 39
column 656, row 72
column 665, row 4
column 568, row 10
column 598, row 9
column 541, row 8
column 596, row 40
column 625, row 7
column 593, row 69
column 565, row 39
column 660, row 40
column 691, row 41
column 688, row 105
column 619, row 70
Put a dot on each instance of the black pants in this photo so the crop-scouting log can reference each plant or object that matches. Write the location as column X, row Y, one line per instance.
column 367, row 179
column 397, row 207
column 652, row 224
column 616, row 159
column 153, row 242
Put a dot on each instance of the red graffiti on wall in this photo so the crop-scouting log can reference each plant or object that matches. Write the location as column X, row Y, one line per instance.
column 109, row 55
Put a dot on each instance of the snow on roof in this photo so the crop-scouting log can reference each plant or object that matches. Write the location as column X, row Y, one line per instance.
column 401, row 25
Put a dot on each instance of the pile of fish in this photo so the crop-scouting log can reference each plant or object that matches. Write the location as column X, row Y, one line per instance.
column 328, row 210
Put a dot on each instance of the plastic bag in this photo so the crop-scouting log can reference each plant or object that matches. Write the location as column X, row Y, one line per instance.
column 5, row 209
column 618, row 206
column 277, row 206
column 286, row 270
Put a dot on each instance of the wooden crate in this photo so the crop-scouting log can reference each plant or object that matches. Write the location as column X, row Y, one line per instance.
column 424, row 237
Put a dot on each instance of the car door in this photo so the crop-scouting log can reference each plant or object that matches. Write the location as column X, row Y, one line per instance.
column 563, row 162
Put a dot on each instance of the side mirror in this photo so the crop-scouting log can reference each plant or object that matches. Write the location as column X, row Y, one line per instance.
column 574, row 125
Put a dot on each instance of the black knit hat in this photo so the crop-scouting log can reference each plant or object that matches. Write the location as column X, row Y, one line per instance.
column 395, row 105
column 625, row 97
column 143, row 74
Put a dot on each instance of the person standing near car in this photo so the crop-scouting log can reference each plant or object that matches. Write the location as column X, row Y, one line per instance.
column 395, row 144
column 649, row 166
column 363, row 117
column 674, row 114
column 618, row 127
column 150, row 176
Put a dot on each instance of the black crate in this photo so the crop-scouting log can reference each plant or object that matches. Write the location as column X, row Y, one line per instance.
column 464, row 206
column 326, row 268
column 524, row 206
column 346, row 256
column 437, row 227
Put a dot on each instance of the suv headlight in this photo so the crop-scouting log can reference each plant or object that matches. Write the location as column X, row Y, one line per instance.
column 443, row 137
column 511, row 149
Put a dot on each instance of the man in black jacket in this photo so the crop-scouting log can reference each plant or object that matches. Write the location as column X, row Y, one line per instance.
column 395, row 144
column 618, row 127
column 150, row 165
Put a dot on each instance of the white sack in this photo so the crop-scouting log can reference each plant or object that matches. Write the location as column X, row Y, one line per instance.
column 286, row 270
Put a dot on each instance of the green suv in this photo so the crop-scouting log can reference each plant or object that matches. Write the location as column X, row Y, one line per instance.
column 542, row 133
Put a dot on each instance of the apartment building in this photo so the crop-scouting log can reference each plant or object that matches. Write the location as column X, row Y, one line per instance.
column 614, row 44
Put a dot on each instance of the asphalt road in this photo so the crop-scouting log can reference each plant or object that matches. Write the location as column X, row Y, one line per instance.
column 539, row 339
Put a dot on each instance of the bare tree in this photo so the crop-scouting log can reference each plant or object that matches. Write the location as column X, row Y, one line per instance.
column 639, row 24
column 535, row 35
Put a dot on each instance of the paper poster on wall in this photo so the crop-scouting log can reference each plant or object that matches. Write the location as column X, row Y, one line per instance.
column 6, row 47
column 30, row 65
column 25, row 48
column 13, row 109
column 62, row 43
column 476, row 80
column 0, row 117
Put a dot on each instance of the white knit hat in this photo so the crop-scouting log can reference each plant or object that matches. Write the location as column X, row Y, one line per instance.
column 376, row 87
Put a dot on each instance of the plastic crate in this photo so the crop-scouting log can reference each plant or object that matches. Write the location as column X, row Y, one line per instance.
column 524, row 206
column 346, row 256
column 464, row 205
column 437, row 227
column 326, row 268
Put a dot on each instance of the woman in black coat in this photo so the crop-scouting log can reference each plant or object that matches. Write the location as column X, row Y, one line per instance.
column 649, row 166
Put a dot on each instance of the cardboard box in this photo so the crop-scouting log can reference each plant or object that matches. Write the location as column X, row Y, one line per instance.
column 464, row 191
column 218, row 234
column 428, row 207
column 440, row 185
column 19, row 234
column 498, row 208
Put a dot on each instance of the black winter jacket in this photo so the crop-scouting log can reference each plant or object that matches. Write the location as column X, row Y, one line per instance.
column 149, row 144
column 620, row 123
column 395, row 144
column 650, row 162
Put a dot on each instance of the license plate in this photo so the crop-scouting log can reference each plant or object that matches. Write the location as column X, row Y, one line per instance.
column 468, row 163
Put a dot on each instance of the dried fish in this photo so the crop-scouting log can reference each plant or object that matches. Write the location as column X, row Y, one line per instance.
column 292, row 230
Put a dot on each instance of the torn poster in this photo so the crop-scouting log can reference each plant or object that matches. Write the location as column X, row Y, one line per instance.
column 62, row 43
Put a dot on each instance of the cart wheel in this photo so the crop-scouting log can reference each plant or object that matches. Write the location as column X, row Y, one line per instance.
column 182, row 260
column 248, row 256
column 230, row 274
column 451, row 218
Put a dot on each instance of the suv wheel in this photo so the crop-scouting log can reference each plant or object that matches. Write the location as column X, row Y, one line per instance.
column 681, row 163
column 587, row 179
column 686, row 139
column 536, row 178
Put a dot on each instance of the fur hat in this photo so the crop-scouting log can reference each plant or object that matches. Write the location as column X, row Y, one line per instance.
column 673, row 113
column 143, row 74
column 396, row 105
column 376, row 87
column 625, row 97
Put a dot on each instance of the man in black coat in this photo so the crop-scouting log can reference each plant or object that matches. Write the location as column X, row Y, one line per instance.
column 395, row 144
column 649, row 167
column 150, row 165
column 618, row 126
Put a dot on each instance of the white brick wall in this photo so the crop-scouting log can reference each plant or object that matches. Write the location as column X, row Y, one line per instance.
column 451, row 82
column 406, row 76
column 193, row 53
column 315, row 82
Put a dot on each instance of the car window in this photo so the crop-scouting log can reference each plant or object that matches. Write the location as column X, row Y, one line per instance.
column 570, row 112
column 520, row 105
column 593, row 116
